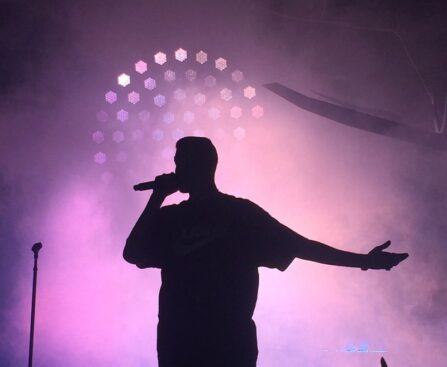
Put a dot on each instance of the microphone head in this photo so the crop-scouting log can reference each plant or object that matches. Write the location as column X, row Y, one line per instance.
column 36, row 247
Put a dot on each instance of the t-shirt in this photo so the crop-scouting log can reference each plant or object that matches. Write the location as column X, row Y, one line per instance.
column 209, row 252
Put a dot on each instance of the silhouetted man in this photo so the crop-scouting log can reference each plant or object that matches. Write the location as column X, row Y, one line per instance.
column 209, row 248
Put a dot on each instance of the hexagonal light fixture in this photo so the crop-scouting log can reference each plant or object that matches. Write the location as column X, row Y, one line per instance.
column 249, row 92
column 102, row 116
column 226, row 94
column 98, row 137
column 160, row 58
column 158, row 135
column 118, row 136
column 199, row 99
column 239, row 133
column 169, row 75
column 179, row 94
column 237, row 76
column 214, row 113
column 159, row 100
column 190, row 75
column 133, row 97
column 177, row 134
column 257, row 111
column 221, row 64
column 168, row 117
column 181, row 55
column 140, row 67
column 201, row 57
column 111, row 97
column 124, row 80
column 122, row 115
column 150, row 83
column 236, row 112
column 210, row 81
column 100, row 158
column 144, row 115
column 188, row 117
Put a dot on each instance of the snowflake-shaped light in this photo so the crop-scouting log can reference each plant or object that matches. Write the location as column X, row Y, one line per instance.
column 122, row 115
column 188, row 117
column 199, row 99
column 239, row 133
column 124, row 80
column 181, row 55
column 221, row 64
column 178, row 134
column 201, row 57
column 168, row 117
column 210, row 81
column 118, row 136
column 98, row 137
column 179, row 94
column 190, row 75
column 160, row 58
column 226, row 94
column 257, row 111
column 159, row 100
column 249, row 92
column 100, row 158
column 169, row 75
column 133, row 97
column 235, row 112
column 158, row 135
column 102, row 116
column 237, row 76
column 140, row 67
column 150, row 83
column 144, row 115
column 111, row 97
column 214, row 113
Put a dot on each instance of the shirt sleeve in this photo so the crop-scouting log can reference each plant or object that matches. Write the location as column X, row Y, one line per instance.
column 272, row 244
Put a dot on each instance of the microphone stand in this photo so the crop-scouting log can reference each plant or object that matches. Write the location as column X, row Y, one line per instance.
column 36, row 248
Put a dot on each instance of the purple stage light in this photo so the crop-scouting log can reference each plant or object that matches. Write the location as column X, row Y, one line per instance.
column 214, row 113
column 98, row 137
column 144, row 115
column 201, row 57
column 235, row 112
column 190, row 75
column 249, row 92
column 137, row 134
column 199, row 99
column 102, row 116
column 150, row 83
column 179, row 94
column 168, row 117
column 124, row 80
column 160, row 58
column 118, row 136
column 226, row 94
column 159, row 100
column 178, row 134
column 221, row 64
column 188, row 117
column 239, row 133
column 169, row 75
column 140, row 67
column 257, row 111
column 122, row 115
column 111, row 97
column 181, row 55
column 210, row 81
column 133, row 97
column 158, row 135
column 237, row 76
column 100, row 158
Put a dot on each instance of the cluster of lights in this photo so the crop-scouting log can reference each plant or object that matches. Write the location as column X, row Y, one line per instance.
column 204, row 92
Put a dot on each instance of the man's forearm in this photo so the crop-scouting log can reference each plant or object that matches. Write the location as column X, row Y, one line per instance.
column 321, row 253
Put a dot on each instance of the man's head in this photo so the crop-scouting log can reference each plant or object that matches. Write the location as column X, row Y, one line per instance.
column 196, row 162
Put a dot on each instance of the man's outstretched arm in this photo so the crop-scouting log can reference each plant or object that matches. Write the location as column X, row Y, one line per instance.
column 375, row 259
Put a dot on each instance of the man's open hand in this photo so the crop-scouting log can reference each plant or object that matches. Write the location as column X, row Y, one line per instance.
column 379, row 259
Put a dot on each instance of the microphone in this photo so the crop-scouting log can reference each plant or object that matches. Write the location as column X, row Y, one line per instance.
column 143, row 186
